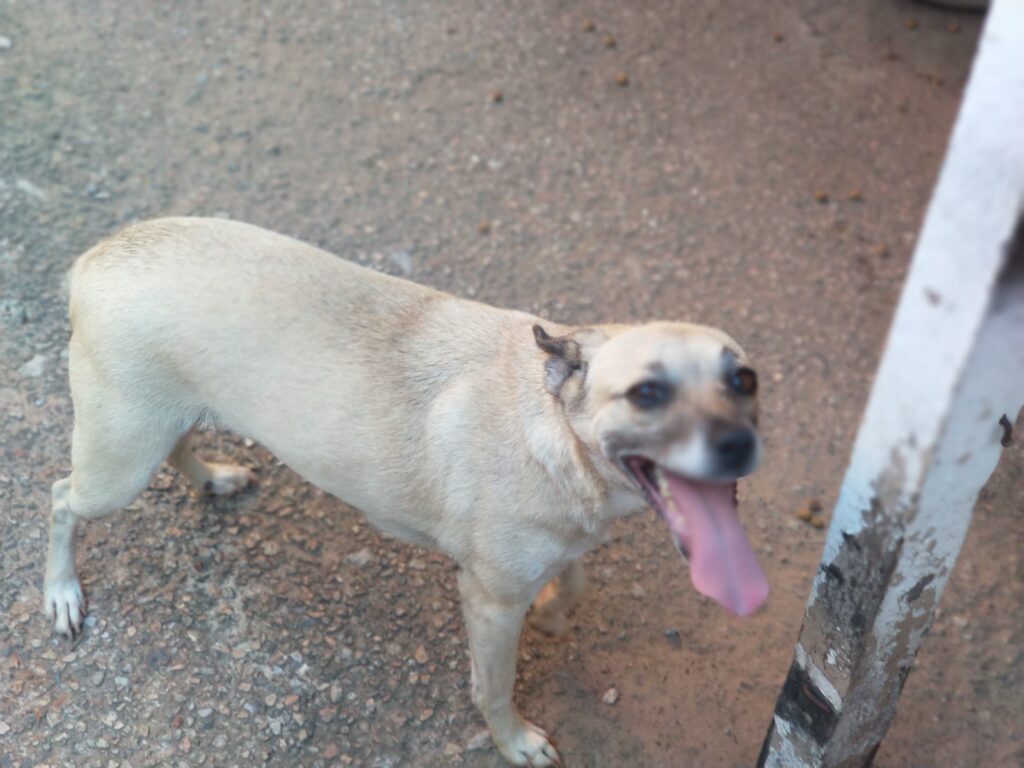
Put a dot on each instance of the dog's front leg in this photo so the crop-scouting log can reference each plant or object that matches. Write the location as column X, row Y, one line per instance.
column 494, row 625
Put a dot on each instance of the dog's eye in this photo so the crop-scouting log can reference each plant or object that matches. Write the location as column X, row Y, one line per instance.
column 743, row 381
column 649, row 394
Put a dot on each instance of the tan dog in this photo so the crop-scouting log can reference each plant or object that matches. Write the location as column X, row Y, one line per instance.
column 450, row 424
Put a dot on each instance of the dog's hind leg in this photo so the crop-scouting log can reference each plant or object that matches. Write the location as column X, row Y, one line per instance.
column 62, row 594
column 116, row 446
column 206, row 476
column 558, row 596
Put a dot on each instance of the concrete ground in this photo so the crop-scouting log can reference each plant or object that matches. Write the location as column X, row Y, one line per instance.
column 758, row 166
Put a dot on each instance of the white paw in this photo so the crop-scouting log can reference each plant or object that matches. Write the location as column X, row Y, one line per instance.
column 64, row 605
column 226, row 479
column 529, row 746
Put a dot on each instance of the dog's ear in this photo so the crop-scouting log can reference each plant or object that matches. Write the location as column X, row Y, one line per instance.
column 563, row 358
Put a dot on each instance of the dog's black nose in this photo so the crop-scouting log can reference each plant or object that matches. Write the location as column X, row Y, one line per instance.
column 735, row 449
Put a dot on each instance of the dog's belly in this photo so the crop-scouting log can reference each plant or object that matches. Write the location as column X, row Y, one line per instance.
column 375, row 476
column 405, row 533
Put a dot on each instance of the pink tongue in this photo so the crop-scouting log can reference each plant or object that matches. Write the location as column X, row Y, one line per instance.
column 722, row 564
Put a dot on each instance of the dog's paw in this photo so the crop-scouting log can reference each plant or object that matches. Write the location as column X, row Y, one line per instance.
column 554, row 623
column 64, row 605
column 529, row 746
column 226, row 479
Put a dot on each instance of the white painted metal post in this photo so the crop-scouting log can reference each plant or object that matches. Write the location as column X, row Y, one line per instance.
column 931, row 433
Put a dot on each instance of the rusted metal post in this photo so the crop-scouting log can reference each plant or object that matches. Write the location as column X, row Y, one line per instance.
column 931, row 433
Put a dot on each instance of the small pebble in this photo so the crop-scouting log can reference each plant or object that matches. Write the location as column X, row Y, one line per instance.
column 811, row 513
column 479, row 740
column 361, row 559
column 5, row 43
column 589, row 26
column 622, row 79
column 31, row 190
column 609, row 41
column 452, row 749
column 497, row 97
column 402, row 260
column 484, row 228
column 610, row 696
column 821, row 196
column 98, row 677
column 34, row 368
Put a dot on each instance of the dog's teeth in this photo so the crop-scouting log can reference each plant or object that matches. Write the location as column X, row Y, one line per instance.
column 663, row 489
column 662, row 481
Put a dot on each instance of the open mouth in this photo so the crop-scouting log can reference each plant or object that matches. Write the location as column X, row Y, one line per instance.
column 705, row 526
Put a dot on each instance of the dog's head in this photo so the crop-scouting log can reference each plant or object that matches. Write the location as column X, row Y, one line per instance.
column 671, row 409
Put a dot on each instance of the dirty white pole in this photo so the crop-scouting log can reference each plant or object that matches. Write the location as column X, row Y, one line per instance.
column 931, row 433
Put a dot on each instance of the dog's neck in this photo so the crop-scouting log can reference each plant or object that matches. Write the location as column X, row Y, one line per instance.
column 594, row 495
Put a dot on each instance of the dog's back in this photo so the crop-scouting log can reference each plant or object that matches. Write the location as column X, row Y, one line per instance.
column 188, row 318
